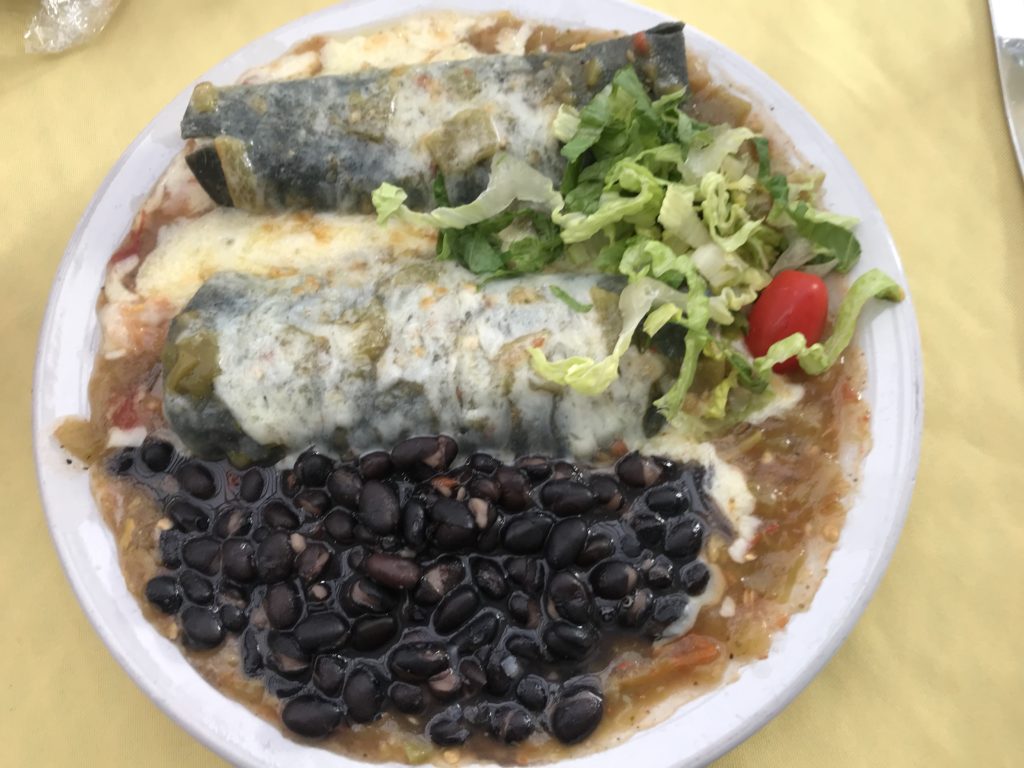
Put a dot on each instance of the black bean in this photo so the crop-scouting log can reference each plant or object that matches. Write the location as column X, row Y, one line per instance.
column 667, row 608
column 668, row 500
column 315, row 562
column 526, row 573
column 478, row 632
column 638, row 471
column 422, row 457
column 417, row 661
column 649, row 528
column 392, row 570
column 313, row 468
column 344, row 485
column 414, row 525
column 378, row 508
column 567, row 497
column 329, row 674
column 576, row 715
column 202, row 628
column 510, row 723
column 196, row 480
column 286, row 655
column 607, row 492
column 283, row 605
column 523, row 610
column 363, row 695
column 232, row 521
column 239, row 560
column 515, row 490
column 371, row 632
column 275, row 557
column 339, row 525
column 565, row 542
column 570, row 597
column 197, row 589
column 288, row 483
column 634, row 609
column 375, row 465
column 203, row 554
column 313, row 502
column 537, row 468
column 525, row 534
column 170, row 548
column 122, row 463
column 598, row 547
column 684, row 537
column 163, row 592
column 321, row 632
column 311, row 716
column 568, row 641
column 319, row 592
column 455, row 609
column 503, row 670
column 233, row 618
column 525, row 646
column 364, row 596
column 483, row 513
column 447, row 729
column 187, row 516
column 445, row 685
column 407, row 698
column 484, row 488
column 613, row 579
column 532, row 691
column 251, row 487
column 156, row 454
column 489, row 577
column 438, row 580
column 453, row 525
column 659, row 572
column 694, row 579
column 483, row 462
column 252, row 657
column 490, row 539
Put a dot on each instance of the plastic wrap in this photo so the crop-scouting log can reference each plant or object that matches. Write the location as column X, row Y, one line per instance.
column 62, row 24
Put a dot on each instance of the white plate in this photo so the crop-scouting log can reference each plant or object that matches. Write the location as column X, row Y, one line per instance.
column 699, row 731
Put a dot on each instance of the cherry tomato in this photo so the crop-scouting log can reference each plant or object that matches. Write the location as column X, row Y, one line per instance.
column 793, row 302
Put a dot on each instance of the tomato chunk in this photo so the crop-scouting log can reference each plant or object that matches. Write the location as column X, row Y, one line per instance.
column 793, row 302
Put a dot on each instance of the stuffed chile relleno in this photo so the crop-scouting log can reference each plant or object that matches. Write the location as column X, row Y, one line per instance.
column 255, row 365
column 327, row 142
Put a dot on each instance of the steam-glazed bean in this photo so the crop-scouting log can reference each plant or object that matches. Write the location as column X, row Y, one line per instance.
column 613, row 580
column 503, row 671
column 570, row 597
column 196, row 480
column 668, row 608
column 537, row 468
column 233, row 618
column 286, row 655
column 649, row 527
column 321, row 632
column 313, row 468
column 202, row 628
column 195, row 588
column 187, row 516
column 418, row 661
column 378, row 508
column 392, row 570
column 156, row 454
column 483, row 463
column 314, row 562
column 375, row 465
column 203, row 554
column 424, row 456
column 438, row 580
column 576, row 715
column 526, row 573
column 445, row 685
column 283, row 605
column 525, row 534
column 515, row 490
column 607, row 492
column 279, row 514
column 525, row 646
column 684, row 537
column 598, row 547
column 532, row 691
column 364, row 596
column 251, row 487
column 568, row 641
column 329, row 674
column 695, row 578
column 274, row 557
column 523, row 610
column 164, row 593
column 455, row 609
column 484, row 488
column 363, row 695
column 490, row 539
column 667, row 500
column 489, row 577
column 454, row 527
column 407, row 698
column 313, row 502
column 232, row 521
column 170, row 548
column 238, row 558
column 659, row 572
column 638, row 471
column 371, row 632
column 477, row 633
column 567, row 497
column 311, row 716
column 340, row 524
column 447, row 729
column 510, row 723
column 288, row 483
column 565, row 542
column 414, row 525
column 344, row 485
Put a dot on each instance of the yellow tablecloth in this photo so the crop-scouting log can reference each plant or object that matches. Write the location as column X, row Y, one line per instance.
column 932, row 675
